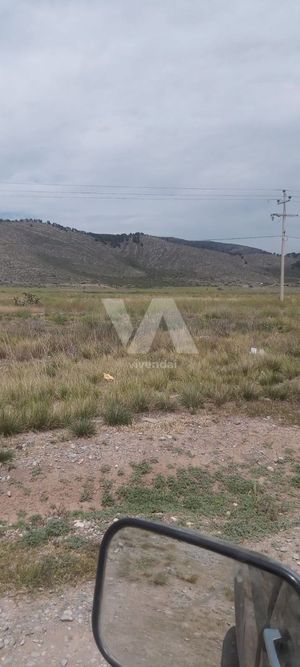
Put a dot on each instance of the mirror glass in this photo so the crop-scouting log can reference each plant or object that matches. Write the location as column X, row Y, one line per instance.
column 168, row 603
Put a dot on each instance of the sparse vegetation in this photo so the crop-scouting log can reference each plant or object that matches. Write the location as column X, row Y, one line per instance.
column 53, row 360
column 87, row 490
column 295, row 480
column 39, row 532
column 191, row 397
column 116, row 413
column 83, row 427
column 141, row 469
column 107, row 496
column 27, row 567
column 227, row 501
column 192, row 492
column 6, row 455
column 28, row 299
column 105, row 468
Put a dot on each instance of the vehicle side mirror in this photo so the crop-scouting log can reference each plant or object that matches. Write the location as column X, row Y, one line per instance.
column 171, row 597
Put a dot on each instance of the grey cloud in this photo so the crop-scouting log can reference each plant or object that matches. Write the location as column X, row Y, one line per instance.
column 156, row 93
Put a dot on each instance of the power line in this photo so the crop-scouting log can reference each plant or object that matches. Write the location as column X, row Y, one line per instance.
column 33, row 194
column 139, row 187
column 132, row 192
column 243, row 238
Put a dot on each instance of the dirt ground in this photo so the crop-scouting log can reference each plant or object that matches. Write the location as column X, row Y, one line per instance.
column 49, row 471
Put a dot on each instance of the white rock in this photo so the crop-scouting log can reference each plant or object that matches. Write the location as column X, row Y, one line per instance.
column 67, row 616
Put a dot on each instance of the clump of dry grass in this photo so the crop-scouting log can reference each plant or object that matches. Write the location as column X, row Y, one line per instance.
column 191, row 396
column 55, row 564
column 83, row 427
column 6, row 455
column 115, row 413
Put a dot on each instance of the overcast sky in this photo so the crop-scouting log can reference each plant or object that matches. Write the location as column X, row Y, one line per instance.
column 157, row 93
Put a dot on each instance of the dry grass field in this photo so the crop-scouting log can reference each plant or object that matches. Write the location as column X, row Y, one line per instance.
column 53, row 357
column 208, row 440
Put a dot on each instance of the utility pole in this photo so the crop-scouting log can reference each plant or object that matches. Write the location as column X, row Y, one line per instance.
column 284, row 215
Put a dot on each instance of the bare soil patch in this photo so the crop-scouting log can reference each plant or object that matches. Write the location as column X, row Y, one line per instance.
column 49, row 471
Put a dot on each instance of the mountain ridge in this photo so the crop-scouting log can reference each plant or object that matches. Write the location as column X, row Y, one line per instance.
column 34, row 252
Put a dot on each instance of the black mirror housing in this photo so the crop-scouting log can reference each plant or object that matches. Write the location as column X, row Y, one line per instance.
column 279, row 574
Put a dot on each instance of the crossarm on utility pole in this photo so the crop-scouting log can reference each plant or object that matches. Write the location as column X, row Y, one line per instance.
column 284, row 215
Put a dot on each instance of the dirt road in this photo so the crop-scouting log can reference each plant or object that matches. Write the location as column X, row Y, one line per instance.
column 55, row 629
